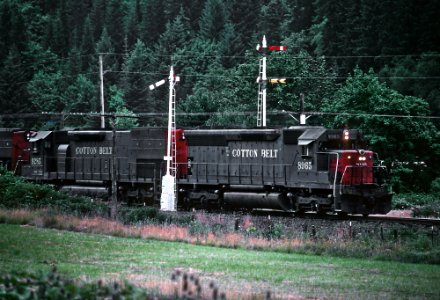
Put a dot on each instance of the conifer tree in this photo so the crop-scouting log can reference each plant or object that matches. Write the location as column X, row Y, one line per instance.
column 213, row 20
column 136, row 78
column 245, row 17
column 115, row 24
column 13, row 77
column 87, row 45
column 153, row 21
column 133, row 24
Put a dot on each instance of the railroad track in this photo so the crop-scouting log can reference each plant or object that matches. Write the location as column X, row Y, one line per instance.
column 370, row 218
column 405, row 220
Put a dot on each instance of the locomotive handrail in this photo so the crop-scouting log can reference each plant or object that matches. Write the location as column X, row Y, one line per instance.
column 18, row 164
column 361, row 181
column 336, row 170
column 243, row 173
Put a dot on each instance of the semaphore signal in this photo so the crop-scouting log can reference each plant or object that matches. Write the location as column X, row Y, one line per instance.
column 168, row 197
column 277, row 80
column 262, row 80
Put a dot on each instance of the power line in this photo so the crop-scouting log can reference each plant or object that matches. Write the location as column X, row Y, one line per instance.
column 286, row 55
column 43, row 80
column 373, row 115
column 47, row 60
column 202, row 114
column 237, row 76
column 287, row 77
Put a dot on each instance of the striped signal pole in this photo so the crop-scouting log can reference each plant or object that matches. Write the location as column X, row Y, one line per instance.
column 262, row 80
column 168, row 196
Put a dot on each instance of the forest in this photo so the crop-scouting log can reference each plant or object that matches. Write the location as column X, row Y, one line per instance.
column 367, row 64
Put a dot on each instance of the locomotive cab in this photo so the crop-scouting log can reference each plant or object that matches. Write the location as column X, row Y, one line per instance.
column 20, row 150
column 39, row 144
column 359, row 181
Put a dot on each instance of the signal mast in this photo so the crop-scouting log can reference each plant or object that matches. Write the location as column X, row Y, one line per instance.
column 262, row 80
column 168, row 197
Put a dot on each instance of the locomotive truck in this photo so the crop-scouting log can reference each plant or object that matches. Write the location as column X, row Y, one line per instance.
column 301, row 168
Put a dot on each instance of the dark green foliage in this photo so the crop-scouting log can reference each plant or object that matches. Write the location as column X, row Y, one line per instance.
column 49, row 61
column 213, row 20
column 116, row 11
column 153, row 21
column 274, row 231
column 16, row 193
column 55, row 286
column 406, row 143
column 422, row 205
column 133, row 215
column 133, row 24
column 435, row 186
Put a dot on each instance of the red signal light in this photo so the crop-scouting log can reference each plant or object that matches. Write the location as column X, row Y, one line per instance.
column 277, row 48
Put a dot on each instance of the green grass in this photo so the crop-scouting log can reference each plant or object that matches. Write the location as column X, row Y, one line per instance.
column 88, row 256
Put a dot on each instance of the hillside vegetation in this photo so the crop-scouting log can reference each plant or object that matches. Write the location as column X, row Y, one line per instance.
column 366, row 58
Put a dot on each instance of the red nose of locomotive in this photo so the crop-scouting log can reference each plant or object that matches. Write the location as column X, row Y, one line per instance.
column 355, row 167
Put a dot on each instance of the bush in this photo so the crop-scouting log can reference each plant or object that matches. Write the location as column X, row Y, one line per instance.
column 275, row 231
column 435, row 186
column 15, row 193
column 54, row 286
column 197, row 228
column 130, row 215
column 415, row 200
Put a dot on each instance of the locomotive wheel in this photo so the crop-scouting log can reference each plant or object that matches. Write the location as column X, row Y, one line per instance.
column 342, row 214
column 299, row 212
column 186, row 203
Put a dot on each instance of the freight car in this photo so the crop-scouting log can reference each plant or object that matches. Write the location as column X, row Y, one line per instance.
column 300, row 168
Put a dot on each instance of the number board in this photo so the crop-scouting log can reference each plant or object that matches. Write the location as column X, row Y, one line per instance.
column 305, row 166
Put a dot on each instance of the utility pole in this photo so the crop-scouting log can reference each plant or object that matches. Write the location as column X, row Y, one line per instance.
column 302, row 116
column 262, row 80
column 101, row 76
column 114, row 189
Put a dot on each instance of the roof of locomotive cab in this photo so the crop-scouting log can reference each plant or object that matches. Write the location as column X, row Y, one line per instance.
column 312, row 134
column 39, row 135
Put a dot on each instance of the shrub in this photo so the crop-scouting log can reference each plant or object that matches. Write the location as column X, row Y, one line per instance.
column 130, row 215
column 435, row 186
column 55, row 286
column 197, row 228
column 15, row 193
column 421, row 204
column 275, row 231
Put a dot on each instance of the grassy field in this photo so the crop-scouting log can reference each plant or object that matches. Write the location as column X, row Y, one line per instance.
column 239, row 273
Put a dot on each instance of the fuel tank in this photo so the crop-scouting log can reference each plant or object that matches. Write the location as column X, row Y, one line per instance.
column 257, row 200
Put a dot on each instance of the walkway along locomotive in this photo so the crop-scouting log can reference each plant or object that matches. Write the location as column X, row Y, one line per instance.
column 302, row 168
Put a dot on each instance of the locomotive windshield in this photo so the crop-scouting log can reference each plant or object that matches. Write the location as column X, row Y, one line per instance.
column 342, row 145
column 343, row 140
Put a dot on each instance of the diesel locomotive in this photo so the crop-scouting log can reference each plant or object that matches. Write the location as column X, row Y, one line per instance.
column 301, row 168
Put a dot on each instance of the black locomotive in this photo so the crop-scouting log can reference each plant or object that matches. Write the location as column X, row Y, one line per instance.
column 302, row 168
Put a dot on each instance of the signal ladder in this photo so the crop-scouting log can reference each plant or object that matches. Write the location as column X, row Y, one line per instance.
column 173, row 164
column 260, row 94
